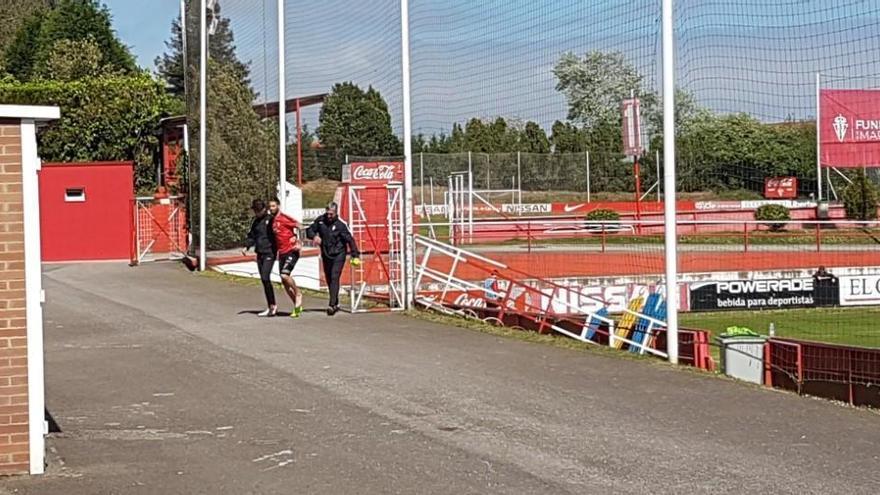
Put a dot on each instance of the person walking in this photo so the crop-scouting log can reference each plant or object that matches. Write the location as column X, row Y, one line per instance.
column 332, row 234
column 286, row 230
column 261, row 238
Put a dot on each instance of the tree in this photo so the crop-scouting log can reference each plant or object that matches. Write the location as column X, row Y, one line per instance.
column 14, row 13
column 860, row 198
column 18, row 58
column 357, row 122
column 476, row 136
column 313, row 168
column 534, row 139
column 594, row 86
column 222, row 49
column 567, row 138
column 75, row 20
column 112, row 117
column 72, row 60
column 419, row 143
column 739, row 152
column 242, row 156
column 457, row 140
column 438, row 144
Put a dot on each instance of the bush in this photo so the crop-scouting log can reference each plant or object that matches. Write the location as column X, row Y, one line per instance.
column 104, row 118
column 860, row 198
column 603, row 215
column 775, row 215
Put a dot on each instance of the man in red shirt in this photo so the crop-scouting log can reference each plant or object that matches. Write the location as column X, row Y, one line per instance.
column 286, row 230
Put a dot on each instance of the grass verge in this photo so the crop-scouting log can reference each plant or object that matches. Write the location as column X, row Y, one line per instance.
column 847, row 326
column 552, row 340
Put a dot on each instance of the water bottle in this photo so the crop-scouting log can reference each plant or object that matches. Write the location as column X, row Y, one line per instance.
column 772, row 329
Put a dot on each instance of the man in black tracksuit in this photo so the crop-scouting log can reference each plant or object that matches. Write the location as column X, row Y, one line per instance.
column 262, row 239
column 334, row 237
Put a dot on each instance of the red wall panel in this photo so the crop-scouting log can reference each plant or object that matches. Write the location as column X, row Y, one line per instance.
column 96, row 228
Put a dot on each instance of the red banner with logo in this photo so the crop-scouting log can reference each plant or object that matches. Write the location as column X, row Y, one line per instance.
column 849, row 128
column 780, row 188
column 373, row 173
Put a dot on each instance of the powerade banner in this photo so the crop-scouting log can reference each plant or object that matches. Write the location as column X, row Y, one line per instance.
column 753, row 294
column 850, row 128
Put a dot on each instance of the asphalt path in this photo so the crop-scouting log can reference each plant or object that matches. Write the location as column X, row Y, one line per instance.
column 163, row 381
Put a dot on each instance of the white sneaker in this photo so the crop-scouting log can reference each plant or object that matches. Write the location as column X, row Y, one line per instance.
column 268, row 313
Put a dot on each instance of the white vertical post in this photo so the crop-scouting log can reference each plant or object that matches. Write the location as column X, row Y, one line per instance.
column 450, row 201
column 519, row 178
column 422, row 180
column 30, row 190
column 409, row 247
column 669, row 182
column 818, row 137
column 282, row 110
column 659, row 179
column 588, row 175
column 470, row 197
column 203, row 132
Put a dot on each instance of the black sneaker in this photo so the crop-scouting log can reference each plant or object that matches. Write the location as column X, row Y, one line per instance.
column 332, row 310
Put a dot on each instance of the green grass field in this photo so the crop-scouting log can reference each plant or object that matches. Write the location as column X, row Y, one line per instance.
column 851, row 326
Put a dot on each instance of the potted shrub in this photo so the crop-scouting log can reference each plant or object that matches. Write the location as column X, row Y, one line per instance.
column 774, row 216
column 603, row 215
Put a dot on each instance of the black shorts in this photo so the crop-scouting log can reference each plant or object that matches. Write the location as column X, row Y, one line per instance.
column 287, row 261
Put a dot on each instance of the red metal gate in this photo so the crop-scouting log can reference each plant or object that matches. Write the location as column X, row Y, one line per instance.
column 159, row 229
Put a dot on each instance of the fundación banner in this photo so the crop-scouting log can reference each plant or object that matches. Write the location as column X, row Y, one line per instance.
column 753, row 294
column 849, row 127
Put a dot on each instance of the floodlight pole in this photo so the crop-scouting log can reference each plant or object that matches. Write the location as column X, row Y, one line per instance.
column 408, row 240
column 669, row 182
column 183, row 36
column 203, row 132
column 282, row 111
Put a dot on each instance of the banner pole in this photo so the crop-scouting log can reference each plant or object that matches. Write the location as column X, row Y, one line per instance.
column 588, row 174
column 818, row 137
column 282, row 111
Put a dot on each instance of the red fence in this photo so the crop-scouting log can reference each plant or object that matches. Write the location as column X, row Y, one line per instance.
column 849, row 374
column 158, row 229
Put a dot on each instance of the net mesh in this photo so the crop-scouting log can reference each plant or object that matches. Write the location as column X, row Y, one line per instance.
column 517, row 143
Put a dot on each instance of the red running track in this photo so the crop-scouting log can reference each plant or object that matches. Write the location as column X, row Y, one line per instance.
column 592, row 264
column 561, row 264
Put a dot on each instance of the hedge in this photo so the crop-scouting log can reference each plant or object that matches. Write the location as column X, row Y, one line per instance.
column 105, row 118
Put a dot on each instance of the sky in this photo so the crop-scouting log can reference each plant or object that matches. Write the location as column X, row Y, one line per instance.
column 495, row 57
column 144, row 25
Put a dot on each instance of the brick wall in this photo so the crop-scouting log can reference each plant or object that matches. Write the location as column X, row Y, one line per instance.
column 14, row 457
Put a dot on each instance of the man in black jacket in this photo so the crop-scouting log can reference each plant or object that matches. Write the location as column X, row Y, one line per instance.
column 261, row 238
column 826, row 288
column 335, row 239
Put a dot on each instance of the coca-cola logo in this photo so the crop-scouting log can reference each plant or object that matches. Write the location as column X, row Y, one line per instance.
column 468, row 301
column 383, row 172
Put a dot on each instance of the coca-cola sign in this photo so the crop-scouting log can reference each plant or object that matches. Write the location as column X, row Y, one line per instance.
column 373, row 172
column 467, row 300
column 780, row 187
